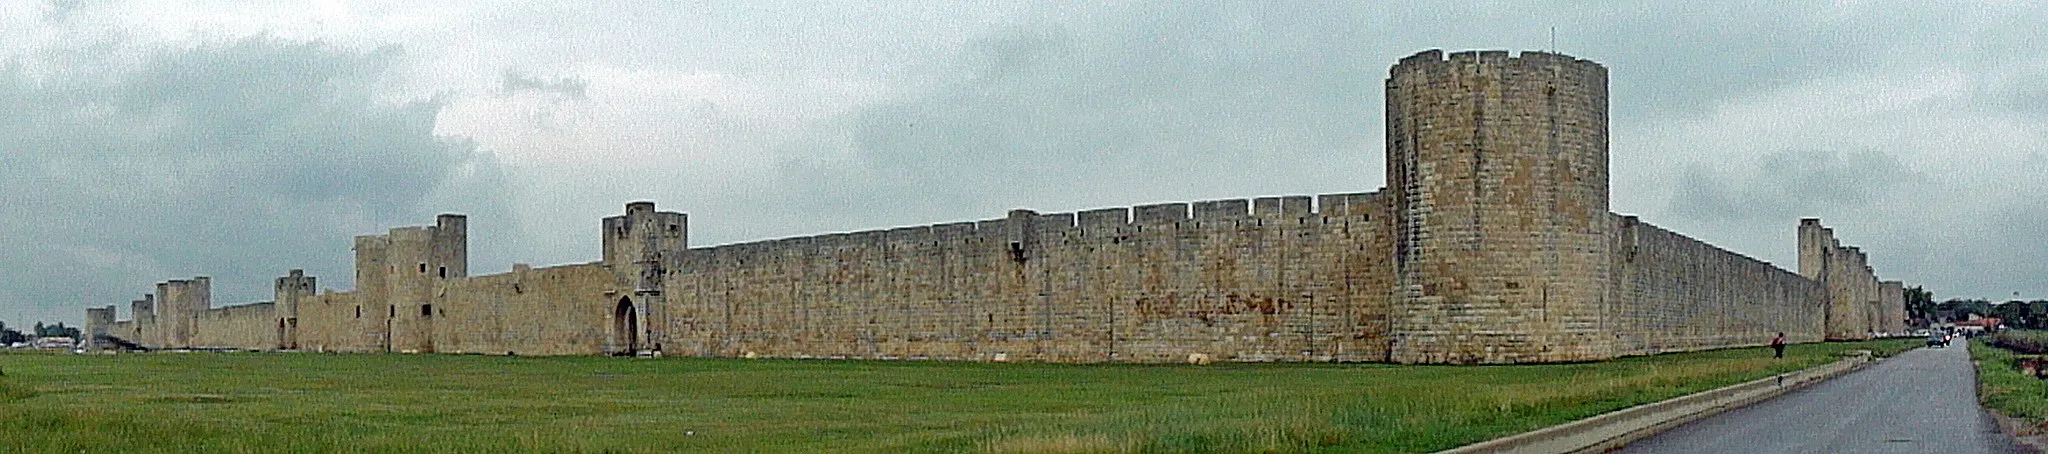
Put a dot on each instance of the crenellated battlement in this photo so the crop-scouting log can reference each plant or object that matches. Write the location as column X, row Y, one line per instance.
column 1437, row 59
column 1099, row 223
column 1857, row 303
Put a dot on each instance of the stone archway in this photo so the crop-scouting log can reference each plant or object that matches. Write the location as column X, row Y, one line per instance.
column 626, row 326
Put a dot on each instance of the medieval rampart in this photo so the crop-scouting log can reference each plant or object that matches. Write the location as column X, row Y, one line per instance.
column 1857, row 305
column 547, row 311
column 1247, row 279
column 1492, row 244
column 248, row 326
column 1674, row 293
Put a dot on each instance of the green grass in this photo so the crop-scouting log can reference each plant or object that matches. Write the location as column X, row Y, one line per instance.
column 2002, row 387
column 442, row 403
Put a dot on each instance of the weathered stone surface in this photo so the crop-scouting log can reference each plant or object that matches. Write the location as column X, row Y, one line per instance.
column 1493, row 244
column 1498, row 164
column 1854, row 305
column 1673, row 293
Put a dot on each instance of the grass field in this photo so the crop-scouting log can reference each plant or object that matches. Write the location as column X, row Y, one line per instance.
column 251, row 402
column 2002, row 386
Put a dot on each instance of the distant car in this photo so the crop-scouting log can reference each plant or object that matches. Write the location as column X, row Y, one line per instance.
column 1937, row 341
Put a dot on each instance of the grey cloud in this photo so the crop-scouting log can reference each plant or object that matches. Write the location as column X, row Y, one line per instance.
column 1174, row 104
column 237, row 159
column 1791, row 183
column 518, row 82
column 1126, row 104
column 58, row 10
column 1959, row 236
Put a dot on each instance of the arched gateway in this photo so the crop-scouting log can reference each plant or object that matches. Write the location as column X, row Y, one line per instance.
column 626, row 327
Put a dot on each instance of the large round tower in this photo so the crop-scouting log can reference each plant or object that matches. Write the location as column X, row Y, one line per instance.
column 1497, row 167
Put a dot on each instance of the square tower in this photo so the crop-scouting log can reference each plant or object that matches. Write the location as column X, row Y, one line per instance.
column 640, row 245
column 397, row 273
column 289, row 291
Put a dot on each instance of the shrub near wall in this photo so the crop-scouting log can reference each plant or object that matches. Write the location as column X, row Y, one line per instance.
column 2002, row 386
column 2026, row 342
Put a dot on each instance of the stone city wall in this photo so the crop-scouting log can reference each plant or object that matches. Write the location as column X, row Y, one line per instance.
column 342, row 322
column 546, row 311
column 1492, row 244
column 124, row 329
column 1854, row 308
column 1246, row 280
column 1674, row 293
column 249, row 326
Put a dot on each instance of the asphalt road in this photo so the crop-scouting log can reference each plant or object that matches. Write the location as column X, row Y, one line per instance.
column 1920, row 401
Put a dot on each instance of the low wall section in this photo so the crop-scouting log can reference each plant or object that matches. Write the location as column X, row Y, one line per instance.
column 560, row 310
column 1670, row 292
column 249, row 326
column 1246, row 280
column 342, row 322
column 548, row 311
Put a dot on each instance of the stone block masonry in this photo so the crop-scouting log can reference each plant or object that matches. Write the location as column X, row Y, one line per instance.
column 1492, row 244
column 1500, row 163
column 1673, row 293
column 1149, row 284
column 1857, row 305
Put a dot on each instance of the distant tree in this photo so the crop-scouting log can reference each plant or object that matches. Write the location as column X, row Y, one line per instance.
column 1962, row 309
column 10, row 336
column 1920, row 304
column 57, row 330
column 2016, row 314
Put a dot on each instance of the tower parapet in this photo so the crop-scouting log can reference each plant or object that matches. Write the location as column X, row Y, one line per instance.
column 639, row 245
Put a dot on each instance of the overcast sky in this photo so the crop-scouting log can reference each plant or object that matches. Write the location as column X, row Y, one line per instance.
column 153, row 140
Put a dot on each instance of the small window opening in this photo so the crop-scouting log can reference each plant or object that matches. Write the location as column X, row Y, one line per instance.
column 444, row 271
column 393, row 311
column 672, row 228
column 426, row 310
column 423, row 267
column 359, row 312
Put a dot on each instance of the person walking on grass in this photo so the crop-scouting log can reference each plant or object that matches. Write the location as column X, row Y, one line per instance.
column 1778, row 346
